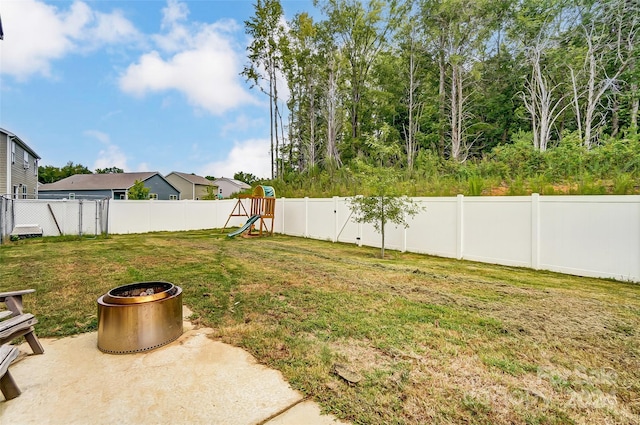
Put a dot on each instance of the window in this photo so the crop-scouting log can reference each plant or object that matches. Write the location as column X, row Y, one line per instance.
column 173, row 197
column 16, row 191
column 24, row 192
column 35, row 167
column 13, row 152
column 153, row 196
column 26, row 160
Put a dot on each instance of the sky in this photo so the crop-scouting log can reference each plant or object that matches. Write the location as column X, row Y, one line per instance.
column 142, row 85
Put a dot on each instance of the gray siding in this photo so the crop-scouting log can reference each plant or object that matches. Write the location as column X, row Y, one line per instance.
column 21, row 176
column 17, row 174
column 3, row 163
column 64, row 194
column 157, row 184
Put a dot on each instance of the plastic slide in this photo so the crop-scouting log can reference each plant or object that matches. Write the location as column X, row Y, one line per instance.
column 246, row 226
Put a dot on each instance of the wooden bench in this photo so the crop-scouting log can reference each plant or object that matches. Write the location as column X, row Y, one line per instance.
column 16, row 323
column 7, row 385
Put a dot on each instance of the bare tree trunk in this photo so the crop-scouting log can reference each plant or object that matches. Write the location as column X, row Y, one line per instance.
column 312, row 127
column 441, row 96
column 271, row 124
column 576, row 103
column 455, row 113
column 539, row 100
column 277, row 113
column 414, row 108
column 615, row 117
column 634, row 106
column 332, row 117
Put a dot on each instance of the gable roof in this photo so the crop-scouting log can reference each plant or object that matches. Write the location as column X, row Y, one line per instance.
column 192, row 178
column 21, row 142
column 111, row 181
column 238, row 183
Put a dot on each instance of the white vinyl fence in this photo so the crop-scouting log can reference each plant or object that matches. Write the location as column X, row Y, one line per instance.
column 596, row 236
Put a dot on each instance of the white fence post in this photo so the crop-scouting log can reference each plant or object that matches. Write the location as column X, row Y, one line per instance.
column 335, row 219
column 459, row 226
column 404, row 240
column 535, row 231
column 282, row 213
column 306, row 216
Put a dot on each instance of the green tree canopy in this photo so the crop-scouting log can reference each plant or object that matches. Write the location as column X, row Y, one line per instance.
column 51, row 174
column 109, row 170
column 138, row 191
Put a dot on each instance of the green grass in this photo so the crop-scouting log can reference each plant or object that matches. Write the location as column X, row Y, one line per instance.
column 435, row 340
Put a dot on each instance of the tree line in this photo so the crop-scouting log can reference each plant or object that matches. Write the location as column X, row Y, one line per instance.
column 395, row 84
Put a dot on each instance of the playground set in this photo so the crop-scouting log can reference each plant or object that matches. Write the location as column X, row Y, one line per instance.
column 262, row 212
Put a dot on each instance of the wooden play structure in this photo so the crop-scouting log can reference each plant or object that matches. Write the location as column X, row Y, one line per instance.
column 261, row 212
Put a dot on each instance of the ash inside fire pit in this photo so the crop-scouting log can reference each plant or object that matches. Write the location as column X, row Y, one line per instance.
column 141, row 291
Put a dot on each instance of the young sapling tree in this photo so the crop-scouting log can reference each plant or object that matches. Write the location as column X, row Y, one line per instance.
column 384, row 206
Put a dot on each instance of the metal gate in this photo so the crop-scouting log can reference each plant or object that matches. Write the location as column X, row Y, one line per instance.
column 53, row 217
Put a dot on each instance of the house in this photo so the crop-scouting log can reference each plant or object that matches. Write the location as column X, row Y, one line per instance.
column 227, row 187
column 18, row 167
column 114, row 186
column 192, row 186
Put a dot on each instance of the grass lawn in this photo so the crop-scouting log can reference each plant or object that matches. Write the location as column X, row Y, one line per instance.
column 433, row 340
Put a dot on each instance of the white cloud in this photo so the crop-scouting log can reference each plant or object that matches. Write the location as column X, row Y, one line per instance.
column 36, row 34
column 173, row 13
column 242, row 123
column 197, row 60
column 110, row 155
column 143, row 166
column 250, row 156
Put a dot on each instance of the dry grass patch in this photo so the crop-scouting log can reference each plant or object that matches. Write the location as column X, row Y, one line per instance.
column 433, row 340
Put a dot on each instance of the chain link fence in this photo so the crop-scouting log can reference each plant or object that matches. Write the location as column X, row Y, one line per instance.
column 52, row 217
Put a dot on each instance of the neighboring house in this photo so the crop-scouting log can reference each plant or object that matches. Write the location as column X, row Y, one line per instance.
column 190, row 185
column 114, row 186
column 227, row 187
column 18, row 167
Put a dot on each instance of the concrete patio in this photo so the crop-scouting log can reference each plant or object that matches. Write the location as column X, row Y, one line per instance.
column 193, row 380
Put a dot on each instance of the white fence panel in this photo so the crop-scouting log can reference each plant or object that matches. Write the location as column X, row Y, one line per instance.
column 348, row 229
column 321, row 219
column 433, row 230
column 129, row 217
column 295, row 220
column 152, row 216
column 591, row 235
column 497, row 230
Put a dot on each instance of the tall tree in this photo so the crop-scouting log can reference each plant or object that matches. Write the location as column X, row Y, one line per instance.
column 609, row 33
column 266, row 53
column 303, row 77
column 361, row 33
column 410, row 42
column 458, row 31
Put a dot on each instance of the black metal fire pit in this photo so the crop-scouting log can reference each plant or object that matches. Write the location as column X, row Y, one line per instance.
column 139, row 317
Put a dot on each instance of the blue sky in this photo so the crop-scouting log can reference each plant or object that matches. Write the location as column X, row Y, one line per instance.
column 143, row 85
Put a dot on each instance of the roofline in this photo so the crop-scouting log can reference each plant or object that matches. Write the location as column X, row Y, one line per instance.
column 178, row 173
column 22, row 142
column 155, row 173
